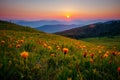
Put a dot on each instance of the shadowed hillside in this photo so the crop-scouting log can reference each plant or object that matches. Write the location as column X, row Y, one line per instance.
column 110, row 28
column 4, row 25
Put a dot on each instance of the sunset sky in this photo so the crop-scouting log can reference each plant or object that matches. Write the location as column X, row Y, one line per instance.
column 59, row 9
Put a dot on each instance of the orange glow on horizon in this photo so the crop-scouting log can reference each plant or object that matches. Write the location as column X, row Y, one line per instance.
column 60, row 15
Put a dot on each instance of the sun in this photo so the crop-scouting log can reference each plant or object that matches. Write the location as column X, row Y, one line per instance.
column 67, row 16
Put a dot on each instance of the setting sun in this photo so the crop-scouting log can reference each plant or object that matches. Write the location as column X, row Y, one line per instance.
column 67, row 16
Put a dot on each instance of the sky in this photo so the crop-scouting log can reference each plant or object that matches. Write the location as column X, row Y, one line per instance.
column 59, row 9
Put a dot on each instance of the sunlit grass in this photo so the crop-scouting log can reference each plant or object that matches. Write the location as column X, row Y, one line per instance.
column 40, row 56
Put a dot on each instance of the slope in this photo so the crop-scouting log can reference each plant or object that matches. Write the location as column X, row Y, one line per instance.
column 110, row 28
column 109, row 42
column 4, row 25
column 40, row 56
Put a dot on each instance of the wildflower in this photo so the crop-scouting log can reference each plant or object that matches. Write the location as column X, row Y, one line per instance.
column 118, row 70
column 2, row 42
column 105, row 55
column 114, row 53
column 18, row 46
column 24, row 54
column 84, row 46
column 107, row 52
column 99, row 51
column 80, row 47
column 49, row 47
column 91, row 60
column 21, row 41
column 118, row 53
column 58, row 47
column 65, row 50
column 85, row 54
column 52, row 55
column 92, row 55
column 45, row 45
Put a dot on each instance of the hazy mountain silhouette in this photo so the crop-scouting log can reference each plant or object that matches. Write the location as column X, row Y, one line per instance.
column 56, row 28
column 39, row 23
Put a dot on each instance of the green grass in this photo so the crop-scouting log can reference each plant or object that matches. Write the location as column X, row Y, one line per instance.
column 40, row 65
column 109, row 42
column 46, row 59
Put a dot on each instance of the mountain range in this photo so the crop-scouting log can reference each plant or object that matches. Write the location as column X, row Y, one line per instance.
column 52, row 26
column 56, row 28
column 39, row 23
column 109, row 28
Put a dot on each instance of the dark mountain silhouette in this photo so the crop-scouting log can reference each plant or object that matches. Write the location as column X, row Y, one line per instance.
column 109, row 28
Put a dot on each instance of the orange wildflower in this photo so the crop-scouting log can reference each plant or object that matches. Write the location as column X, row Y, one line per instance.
column 45, row 45
column 49, row 47
column 2, row 42
column 91, row 60
column 118, row 53
column 84, row 46
column 105, row 55
column 118, row 70
column 92, row 55
column 65, row 50
column 24, row 54
column 114, row 53
column 21, row 41
column 99, row 51
column 85, row 54
column 58, row 47
column 18, row 46
column 52, row 55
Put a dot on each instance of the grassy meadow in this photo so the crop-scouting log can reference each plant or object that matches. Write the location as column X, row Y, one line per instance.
column 109, row 42
column 26, row 55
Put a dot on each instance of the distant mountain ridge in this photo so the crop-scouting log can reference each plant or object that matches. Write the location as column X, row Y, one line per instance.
column 56, row 28
column 39, row 23
column 109, row 28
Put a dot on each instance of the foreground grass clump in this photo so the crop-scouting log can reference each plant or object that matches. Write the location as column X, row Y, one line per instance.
column 40, row 56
